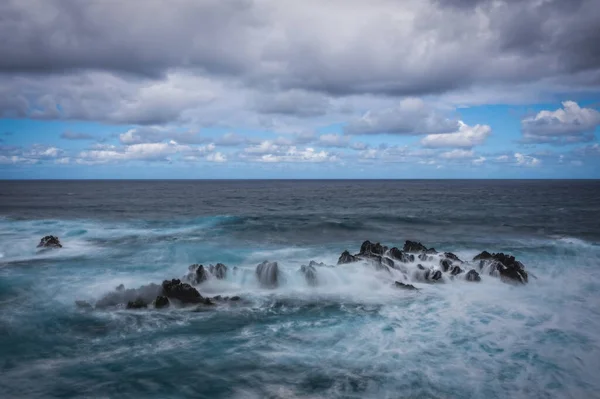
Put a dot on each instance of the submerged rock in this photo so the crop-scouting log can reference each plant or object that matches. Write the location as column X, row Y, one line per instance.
column 137, row 304
column 122, row 296
column 346, row 257
column 161, row 301
column 268, row 274
column 219, row 271
column 451, row 256
column 433, row 275
column 404, row 286
column 455, row 270
column 49, row 242
column 445, row 264
column 310, row 273
column 83, row 305
column 183, row 292
column 198, row 274
column 472, row 275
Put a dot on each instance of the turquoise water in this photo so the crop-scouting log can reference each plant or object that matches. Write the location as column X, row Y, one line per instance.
column 352, row 335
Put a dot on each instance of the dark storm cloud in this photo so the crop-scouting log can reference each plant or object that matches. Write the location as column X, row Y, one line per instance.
column 73, row 57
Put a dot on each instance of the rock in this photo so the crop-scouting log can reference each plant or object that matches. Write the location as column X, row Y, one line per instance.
column 410, row 287
column 219, row 298
column 507, row 267
column 161, row 301
column 472, row 275
column 433, row 275
column 445, row 264
column 207, row 301
column 137, row 304
column 412, row 246
column 120, row 287
column 369, row 248
column 197, row 275
column 345, row 257
column 420, row 267
column 220, row 271
column 512, row 270
column 456, row 270
column 123, row 296
column 183, row 292
column 316, row 264
column 268, row 274
column 83, row 305
column 234, row 298
column 485, row 255
column 399, row 255
column 310, row 273
column 423, row 257
column 452, row 257
column 49, row 242
column 431, row 251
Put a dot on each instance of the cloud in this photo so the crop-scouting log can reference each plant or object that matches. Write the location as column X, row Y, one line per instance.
column 293, row 102
column 457, row 154
column 231, row 140
column 524, row 160
column 411, row 117
column 161, row 152
column 334, row 140
column 33, row 154
column 216, row 157
column 466, row 137
column 68, row 135
column 157, row 135
column 570, row 124
column 383, row 47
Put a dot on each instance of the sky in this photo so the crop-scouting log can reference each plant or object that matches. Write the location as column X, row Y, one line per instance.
column 219, row 89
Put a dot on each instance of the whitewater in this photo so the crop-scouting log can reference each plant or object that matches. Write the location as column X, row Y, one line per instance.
column 352, row 334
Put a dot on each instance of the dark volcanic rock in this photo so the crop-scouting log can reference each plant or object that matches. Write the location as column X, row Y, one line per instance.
column 316, row 264
column 410, row 287
column 423, row 256
column 49, row 242
column 369, row 248
column 485, row 255
column 310, row 273
column 508, row 268
column 431, row 251
column 452, row 257
column 445, row 264
column 83, row 305
column 346, row 257
column 455, row 270
column 433, row 275
column 137, row 304
column 268, row 274
column 412, row 246
column 420, row 267
column 234, row 298
column 472, row 275
column 399, row 255
column 219, row 271
column 122, row 296
column 161, row 301
column 183, row 292
column 198, row 274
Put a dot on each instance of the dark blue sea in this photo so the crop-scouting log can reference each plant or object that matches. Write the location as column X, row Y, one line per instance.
column 352, row 334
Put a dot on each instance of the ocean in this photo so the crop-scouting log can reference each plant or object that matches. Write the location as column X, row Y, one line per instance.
column 349, row 333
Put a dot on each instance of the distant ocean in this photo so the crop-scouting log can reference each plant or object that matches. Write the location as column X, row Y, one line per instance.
column 350, row 333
